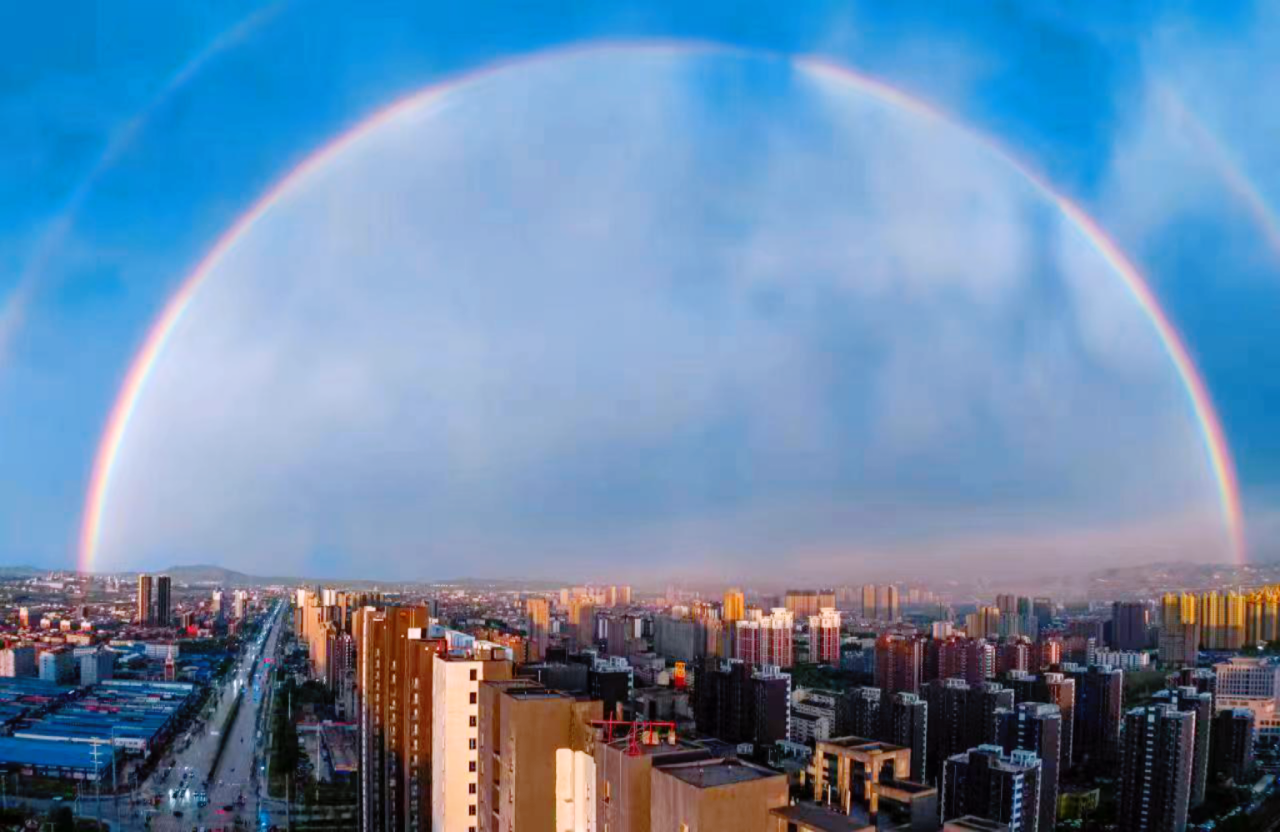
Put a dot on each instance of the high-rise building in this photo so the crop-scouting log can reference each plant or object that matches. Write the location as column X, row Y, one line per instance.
column 1042, row 609
column 394, row 664
column 1130, row 623
column 1098, row 712
column 852, row 773
column 97, row 666
column 523, row 727
column 144, row 612
column 539, row 612
column 987, row 783
column 803, row 603
column 960, row 657
column 239, row 604
column 858, row 712
column 906, row 723
column 215, row 603
column 1155, row 770
column 1014, row 654
column 624, row 779
column 984, row 623
column 1036, row 727
column 1247, row 682
column 961, row 716
column 58, row 665
column 869, row 610
column 824, row 637
column 737, row 703
column 1202, row 679
column 1201, row 704
column 735, row 606
column 721, row 793
column 887, row 603
column 18, row 661
column 582, row 622
column 899, row 663
column 1233, row 744
column 455, row 731
column 1222, row 620
column 164, row 601
column 767, row 640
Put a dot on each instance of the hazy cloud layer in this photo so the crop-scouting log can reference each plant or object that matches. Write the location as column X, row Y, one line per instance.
column 631, row 311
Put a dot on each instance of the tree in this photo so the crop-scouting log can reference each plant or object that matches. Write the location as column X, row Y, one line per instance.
column 62, row 819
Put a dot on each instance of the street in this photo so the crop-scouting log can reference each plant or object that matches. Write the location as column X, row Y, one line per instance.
column 234, row 783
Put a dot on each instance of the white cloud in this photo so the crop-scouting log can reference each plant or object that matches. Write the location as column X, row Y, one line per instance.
column 607, row 306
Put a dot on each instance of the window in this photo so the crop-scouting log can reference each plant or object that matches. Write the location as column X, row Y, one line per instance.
column 473, row 674
column 471, row 788
column 471, row 810
column 471, row 743
column 471, row 765
column 473, row 722
column 473, row 697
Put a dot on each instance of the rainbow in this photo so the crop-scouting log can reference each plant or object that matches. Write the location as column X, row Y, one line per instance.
column 1227, row 166
column 175, row 309
column 54, row 239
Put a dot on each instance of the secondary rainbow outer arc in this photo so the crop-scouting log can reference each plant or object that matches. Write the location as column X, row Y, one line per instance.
column 12, row 310
column 1225, row 164
column 144, row 362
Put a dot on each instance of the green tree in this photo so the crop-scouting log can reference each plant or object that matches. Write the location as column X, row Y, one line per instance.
column 62, row 819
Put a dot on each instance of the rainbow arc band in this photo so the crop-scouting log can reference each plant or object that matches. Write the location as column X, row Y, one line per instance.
column 144, row 362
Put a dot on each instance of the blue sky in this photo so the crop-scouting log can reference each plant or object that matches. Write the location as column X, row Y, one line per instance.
column 831, row 331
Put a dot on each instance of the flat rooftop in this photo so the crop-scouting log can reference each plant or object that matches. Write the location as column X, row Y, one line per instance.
column 53, row 753
column 683, row 748
column 716, row 772
column 969, row 822
column 817, row 817
column 863, row 744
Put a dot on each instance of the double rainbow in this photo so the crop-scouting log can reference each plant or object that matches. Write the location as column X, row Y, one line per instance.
column 144, row 362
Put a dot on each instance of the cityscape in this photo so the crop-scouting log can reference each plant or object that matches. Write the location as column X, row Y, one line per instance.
column 639, row 416
column 215, row 699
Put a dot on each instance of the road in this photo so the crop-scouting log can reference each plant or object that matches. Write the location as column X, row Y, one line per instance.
column 234, row 777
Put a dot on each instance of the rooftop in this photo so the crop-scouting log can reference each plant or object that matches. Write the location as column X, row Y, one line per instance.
column 53, row 753
column 813, row 816
column 684, row 748
column 969, row 822
column 716, row 772
column 863, row 745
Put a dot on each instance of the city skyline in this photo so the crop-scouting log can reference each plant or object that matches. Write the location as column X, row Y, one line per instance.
column 640, row 416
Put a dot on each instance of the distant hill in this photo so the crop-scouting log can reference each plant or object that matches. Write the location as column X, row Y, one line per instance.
column 202, row 573
column 12, row 572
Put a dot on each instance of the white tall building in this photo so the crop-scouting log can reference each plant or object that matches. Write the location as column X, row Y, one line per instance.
column 241, row 603
column 1244, row 678
column 766, row 639
column 18, row 661
column 824, row 637
column 97, row 666
column 455, row 696
column 575, row 791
